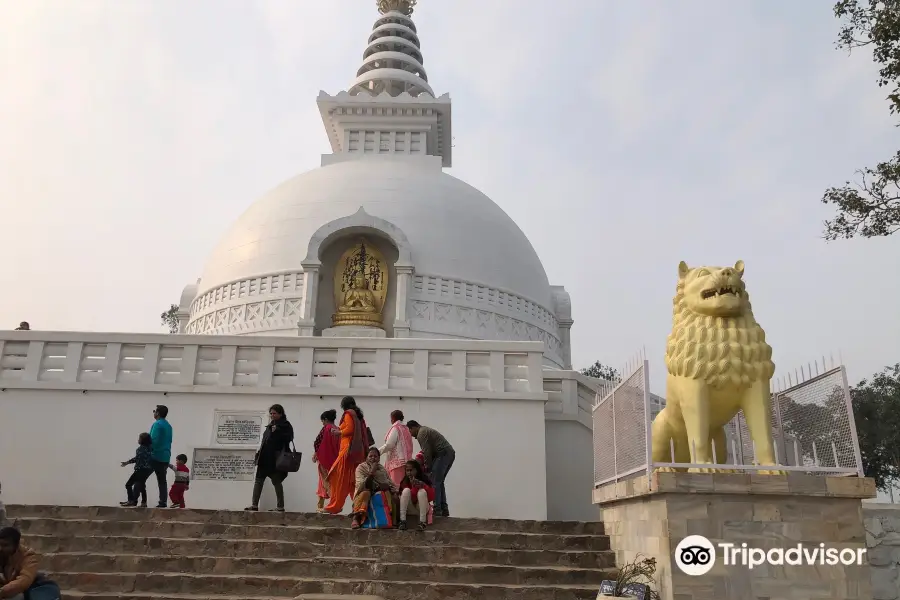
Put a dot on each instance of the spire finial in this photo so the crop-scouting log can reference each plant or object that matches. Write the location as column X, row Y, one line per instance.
column 402, row 6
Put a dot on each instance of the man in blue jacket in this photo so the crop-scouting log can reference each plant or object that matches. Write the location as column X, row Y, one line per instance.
column 161, row 453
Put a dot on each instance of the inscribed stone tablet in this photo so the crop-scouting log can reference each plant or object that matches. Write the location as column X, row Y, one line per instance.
column 215, row 464
column 239, row 428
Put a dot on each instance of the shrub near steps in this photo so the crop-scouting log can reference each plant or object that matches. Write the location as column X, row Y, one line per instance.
column 140, row 554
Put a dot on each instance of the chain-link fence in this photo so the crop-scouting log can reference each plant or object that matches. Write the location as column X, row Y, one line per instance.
column 621, row 418
column 812, row 424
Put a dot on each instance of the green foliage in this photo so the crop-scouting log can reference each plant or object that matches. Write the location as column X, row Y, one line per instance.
column 600, row 371
column 169, row 318
column 876, row 409
column 870, row 207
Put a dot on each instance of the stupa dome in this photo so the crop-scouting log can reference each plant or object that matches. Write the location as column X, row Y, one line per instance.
column 454, row 230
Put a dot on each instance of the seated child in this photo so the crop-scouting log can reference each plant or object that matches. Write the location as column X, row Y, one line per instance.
column 416, row 487
column 143, row 468
column 182, row 481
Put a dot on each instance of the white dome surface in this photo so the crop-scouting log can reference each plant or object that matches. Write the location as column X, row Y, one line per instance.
column 453, row 229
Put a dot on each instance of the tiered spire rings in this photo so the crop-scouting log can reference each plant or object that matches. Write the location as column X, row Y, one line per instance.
column 392, row 61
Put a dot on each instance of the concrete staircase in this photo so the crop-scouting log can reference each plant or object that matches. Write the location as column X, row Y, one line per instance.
column 109, row 553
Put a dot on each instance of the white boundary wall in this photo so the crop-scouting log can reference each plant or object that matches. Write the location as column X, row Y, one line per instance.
column 72, row 405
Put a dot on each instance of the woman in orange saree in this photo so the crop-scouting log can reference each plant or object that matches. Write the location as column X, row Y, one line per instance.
column 342, row 475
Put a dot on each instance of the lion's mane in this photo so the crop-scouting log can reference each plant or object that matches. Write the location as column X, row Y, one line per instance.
column 721, row 351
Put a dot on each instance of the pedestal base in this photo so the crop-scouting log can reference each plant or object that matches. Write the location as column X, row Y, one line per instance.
column 354, row 331
column 764, row 511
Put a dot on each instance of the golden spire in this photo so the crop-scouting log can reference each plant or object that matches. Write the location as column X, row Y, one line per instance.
column 404, row 6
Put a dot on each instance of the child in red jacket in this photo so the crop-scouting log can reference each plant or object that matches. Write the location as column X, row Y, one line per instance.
column 416, row 488
column 182, row 481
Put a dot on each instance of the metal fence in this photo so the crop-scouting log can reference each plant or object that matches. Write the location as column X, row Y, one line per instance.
column 812, row 422
column 621, row 420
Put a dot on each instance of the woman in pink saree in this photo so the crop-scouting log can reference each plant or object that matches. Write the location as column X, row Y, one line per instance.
column 326, row 448
column 397, row 448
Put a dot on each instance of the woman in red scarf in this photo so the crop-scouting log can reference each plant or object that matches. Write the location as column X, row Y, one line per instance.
column 326, row 449
column 341, row 479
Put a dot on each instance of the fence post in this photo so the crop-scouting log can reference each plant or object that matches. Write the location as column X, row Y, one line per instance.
column 852, row 420
column 648, row 423
column 615, row 441
column 739, row 439
column 782, row 444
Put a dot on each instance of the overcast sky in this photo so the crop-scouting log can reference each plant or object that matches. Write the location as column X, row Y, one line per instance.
column 622, row 137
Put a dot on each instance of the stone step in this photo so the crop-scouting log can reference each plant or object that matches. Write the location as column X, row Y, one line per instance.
column 109, row 513
column 149, row 586
column 403, row 547
column 76, row 595
column 204, row 597
column 322, row 567
column 312, row 534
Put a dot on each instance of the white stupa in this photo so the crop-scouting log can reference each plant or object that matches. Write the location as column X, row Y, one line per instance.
column 459, row 267
column 376, row 275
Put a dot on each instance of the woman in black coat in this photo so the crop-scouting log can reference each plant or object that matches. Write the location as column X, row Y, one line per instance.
column 277, row 438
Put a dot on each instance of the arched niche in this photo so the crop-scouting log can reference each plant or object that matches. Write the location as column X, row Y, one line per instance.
column 359, row 223
column 328, row 244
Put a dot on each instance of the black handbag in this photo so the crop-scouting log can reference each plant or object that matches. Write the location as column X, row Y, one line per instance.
column 288, row 461
column 371, row 437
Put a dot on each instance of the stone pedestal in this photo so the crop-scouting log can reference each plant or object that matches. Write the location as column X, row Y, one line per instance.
column 650, row 517
column 354, row 331
column 883, row 540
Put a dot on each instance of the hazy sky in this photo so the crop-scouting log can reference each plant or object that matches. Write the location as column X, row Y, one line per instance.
column 622, row 137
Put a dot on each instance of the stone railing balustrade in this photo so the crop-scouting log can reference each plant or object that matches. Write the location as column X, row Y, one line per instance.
column 570, row 396
column 302, row 365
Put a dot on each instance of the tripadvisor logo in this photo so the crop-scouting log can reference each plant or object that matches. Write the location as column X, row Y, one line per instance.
column 696, row 555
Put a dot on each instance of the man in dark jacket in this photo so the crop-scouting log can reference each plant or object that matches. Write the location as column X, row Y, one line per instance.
column 439, row 456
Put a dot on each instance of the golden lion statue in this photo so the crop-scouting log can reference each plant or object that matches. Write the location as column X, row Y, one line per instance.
column 719, row 363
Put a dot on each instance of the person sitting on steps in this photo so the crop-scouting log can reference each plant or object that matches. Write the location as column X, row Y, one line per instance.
column 371, row 478
column 415, row 488
column 19, row 576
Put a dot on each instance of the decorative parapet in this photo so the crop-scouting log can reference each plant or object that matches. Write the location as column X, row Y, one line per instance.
column 273, row 301
column 263, row 365
column 570, row 396
column 470, row 309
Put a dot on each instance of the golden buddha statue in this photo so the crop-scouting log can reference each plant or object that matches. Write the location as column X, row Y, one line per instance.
column 358, row 298
column 360, row 287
